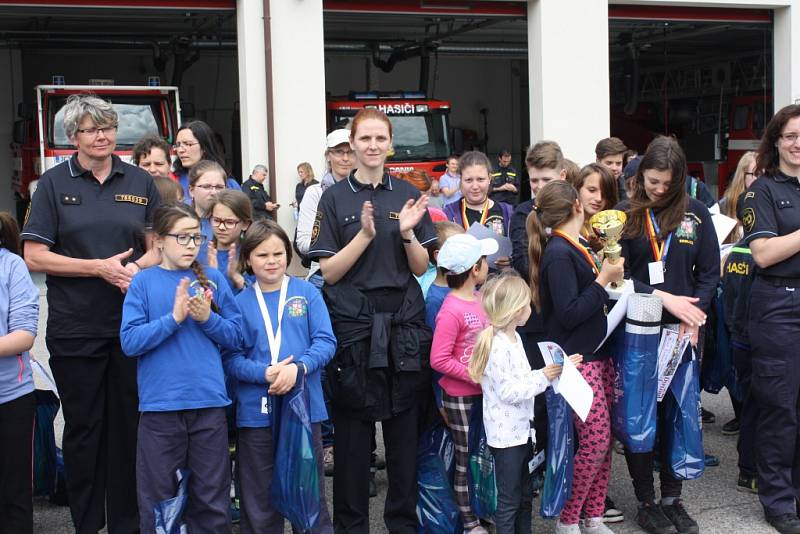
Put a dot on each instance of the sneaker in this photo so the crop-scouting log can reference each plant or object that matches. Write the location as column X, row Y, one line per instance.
column 747, row 483
column 327, row 460
column 612, row 514
column 652, row 519
column 561, row 528
column 677, row 514
column 731, row 428
column 708, row 417
column 785, row 524
column 594, row 526
column 711, row 460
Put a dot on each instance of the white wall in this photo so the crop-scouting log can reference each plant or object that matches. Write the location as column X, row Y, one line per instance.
column 10, row 96
column 252, row 83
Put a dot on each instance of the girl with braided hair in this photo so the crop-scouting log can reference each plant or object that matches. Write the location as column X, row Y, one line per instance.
column 176, row 319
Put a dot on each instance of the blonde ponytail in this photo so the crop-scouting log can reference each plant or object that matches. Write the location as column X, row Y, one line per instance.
column 480, row 354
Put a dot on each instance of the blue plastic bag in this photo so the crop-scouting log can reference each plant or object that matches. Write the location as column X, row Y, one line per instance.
column 560, row 466
column 44, row 443
column 437, row 511
column 169, row 513
column 295, row 483
column 633, row 411
column 480, row 471
column 684, row 432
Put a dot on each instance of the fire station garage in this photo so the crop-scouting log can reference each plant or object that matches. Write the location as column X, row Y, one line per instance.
column 509, row 71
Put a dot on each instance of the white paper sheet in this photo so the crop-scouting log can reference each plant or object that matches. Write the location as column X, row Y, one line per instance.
column 670, row 354
column 504, row 248
column 552, row 353
column 617, row 314
column 575, row 390
column 723, row 225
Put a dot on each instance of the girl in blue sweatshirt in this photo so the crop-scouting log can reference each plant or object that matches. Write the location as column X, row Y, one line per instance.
column 287, row 332
column 176, row 318
column 231, row 215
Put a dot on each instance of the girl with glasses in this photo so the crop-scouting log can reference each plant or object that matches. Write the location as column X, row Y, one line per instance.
column 196, row 142
column 231, row 215
column 206, row 179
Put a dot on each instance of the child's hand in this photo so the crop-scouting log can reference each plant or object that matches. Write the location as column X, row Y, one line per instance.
column 576, row 359
column 233, row 268
column 552, row 371
column 272, row 371
column 200, row 306
column 180, row 309
column 611, row 272
column 287, row 376
column 211, row 256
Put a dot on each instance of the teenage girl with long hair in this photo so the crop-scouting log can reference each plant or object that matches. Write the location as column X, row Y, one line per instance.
column 230, row 215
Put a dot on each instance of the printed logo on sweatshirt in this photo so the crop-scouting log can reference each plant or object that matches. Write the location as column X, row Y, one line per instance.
column 297, row 307
column 687, row 229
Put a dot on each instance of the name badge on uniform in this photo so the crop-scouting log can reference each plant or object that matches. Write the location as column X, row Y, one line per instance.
column 394, row 215
column 656, row 270
column 133, row 199
column 265, row 405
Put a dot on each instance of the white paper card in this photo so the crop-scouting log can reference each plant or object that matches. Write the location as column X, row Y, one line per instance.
column 723, row 226
column 575, row 390
column 616, row 315
column 670, row 354
column 504, row 247
column 552, row 354
column 656, row 270
column 264, row 405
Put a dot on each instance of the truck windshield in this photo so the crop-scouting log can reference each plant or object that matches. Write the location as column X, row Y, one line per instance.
column 137, row 117
column 416, row 137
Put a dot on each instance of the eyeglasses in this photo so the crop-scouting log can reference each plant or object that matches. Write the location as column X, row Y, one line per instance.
column 229, row 223
column 790, row 138
column 92, row 132
column 183, row 239
column 341, row 152
column 184, row 144
column 209, row 187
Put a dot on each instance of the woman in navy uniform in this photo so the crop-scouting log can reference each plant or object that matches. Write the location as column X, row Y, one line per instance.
column 771, row 221
column 370, row 236
column 670, row 249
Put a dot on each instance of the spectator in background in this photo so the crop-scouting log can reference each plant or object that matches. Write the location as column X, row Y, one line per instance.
column 195, row 142
column 256, row 190
column 572, row 169
column 505, row 180
column 610, row 153
column 744, row 176
column 169, row 190
column 450, row 181
column 306, row 174
column 151, row 153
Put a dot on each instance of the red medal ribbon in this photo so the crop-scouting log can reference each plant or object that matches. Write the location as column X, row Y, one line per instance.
column 484, row 214
column 580, row 248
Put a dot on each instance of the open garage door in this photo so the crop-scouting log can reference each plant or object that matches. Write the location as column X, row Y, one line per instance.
column 703, row 75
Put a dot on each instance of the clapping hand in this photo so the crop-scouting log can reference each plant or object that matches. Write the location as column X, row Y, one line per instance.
column 412, row 213
column 180, row 309
column 200, row 306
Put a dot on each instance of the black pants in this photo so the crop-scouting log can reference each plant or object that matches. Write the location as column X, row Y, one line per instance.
column 351, row 460
column 16, row 444
column 514, row 489
column 536, row 361
column 774, row 328
column 256, row 469
column 748, row 413
column 640, row 467
column 97, row 384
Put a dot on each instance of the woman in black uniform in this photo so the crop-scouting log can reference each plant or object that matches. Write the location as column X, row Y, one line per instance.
column 670, row 249
column 771, row 221
column 370, row 234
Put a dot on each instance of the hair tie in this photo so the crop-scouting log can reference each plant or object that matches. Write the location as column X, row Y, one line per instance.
column 548, row 231
column 537, row 209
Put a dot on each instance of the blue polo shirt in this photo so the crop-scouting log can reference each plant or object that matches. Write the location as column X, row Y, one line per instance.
column 79, row 217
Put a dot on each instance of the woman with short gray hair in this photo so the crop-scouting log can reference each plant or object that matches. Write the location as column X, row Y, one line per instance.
column 86, row 231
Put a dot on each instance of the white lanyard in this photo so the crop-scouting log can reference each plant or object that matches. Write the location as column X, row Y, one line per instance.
column 273, row 338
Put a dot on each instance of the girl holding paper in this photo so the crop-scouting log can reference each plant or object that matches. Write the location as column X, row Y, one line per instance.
column 567, row 287
column 670, row 250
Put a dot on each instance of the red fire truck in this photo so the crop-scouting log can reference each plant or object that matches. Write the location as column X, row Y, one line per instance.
column 420, row 127
column 40, row 142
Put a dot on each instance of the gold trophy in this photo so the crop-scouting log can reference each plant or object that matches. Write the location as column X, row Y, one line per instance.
column 608, row 226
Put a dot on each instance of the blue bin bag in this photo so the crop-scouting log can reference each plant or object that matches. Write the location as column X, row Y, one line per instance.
column 560, row 463
column 683, row 423
column 480, row 470
column 295, row 481
column 437, row 511
column 45, row 473
column 633, row 411
column 169, row 513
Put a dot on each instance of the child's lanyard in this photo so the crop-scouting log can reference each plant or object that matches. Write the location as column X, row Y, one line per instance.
column 658, row 267
column 274, row 338
column 580, row 248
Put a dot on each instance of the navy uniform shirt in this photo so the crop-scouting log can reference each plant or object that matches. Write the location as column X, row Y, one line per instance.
column 772, row 209
column 258, row 196
column 78, row 217
column 573, row 304
column 502, row 176
column 384, row 263
column 692, row 264
column 737, row 277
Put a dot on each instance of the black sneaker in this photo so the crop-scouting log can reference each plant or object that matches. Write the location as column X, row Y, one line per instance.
column 612, row 514
column 652, row 519
column 677, row 514
column 747, row 483
column 785, row 524
column 708, row 417
column 731, row 428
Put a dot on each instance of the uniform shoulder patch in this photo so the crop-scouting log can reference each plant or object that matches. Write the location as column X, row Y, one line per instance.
column 749, row 219
column 316, row 228
column 749, row 194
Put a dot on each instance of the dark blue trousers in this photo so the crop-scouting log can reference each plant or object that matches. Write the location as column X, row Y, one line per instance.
column 748, row 412
column 514, row 489
column 193, row 439
column 255, row 468
column 774, row 328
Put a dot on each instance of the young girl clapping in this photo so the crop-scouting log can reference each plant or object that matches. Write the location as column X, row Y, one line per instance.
column 175, row 319
column 500, row 366
column 230, row 215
